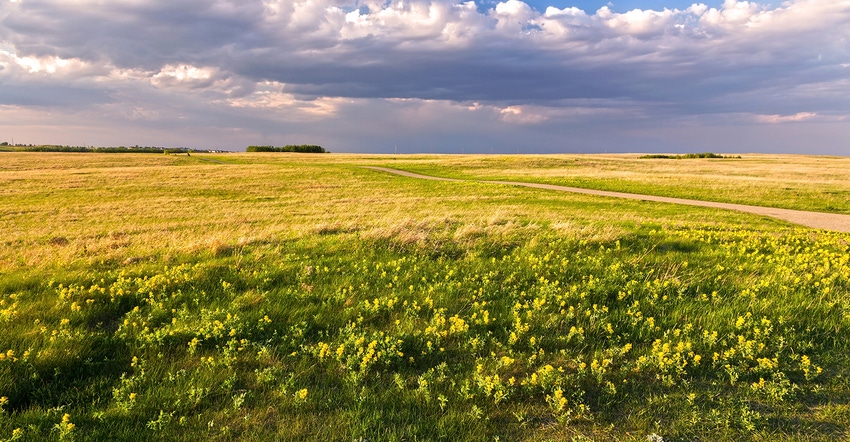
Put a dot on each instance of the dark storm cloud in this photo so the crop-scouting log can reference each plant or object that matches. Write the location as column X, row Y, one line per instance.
column 132, row 34
column 308, row 59
column 509, row 54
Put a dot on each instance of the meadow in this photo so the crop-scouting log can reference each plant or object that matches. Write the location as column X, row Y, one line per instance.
column 274, row 296
column 799, row 182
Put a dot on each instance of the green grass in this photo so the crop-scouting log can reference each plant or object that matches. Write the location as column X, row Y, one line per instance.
column 286, row 297
column 785, row 181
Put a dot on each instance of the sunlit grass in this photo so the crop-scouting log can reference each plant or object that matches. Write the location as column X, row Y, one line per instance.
column 786, row 181
column 286, row 297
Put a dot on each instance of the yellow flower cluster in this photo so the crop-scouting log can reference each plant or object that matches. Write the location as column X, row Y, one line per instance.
column 561, row 325
column 8, row 307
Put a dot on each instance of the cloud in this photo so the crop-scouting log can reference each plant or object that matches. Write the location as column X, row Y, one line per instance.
column 520, row 115
column 308, row 60
column 208, row 79
column 271, row 97
column 776, row 119
column 184, row 76
column 33, row 67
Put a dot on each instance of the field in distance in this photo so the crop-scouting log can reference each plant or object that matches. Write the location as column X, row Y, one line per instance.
column 304, row 297
column 816, row 183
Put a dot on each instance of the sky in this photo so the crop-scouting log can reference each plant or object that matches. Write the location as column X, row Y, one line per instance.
column 420, row 76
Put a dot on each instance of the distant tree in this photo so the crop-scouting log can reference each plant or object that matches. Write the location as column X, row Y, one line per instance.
column 260, row 149
column 685, row 156
column 300, row 148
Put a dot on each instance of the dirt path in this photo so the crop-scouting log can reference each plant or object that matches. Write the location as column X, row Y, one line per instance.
column 816, row 220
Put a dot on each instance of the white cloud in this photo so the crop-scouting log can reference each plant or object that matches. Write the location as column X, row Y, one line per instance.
column 271, row 97
column 200, row 79
column 733, row 13
column 415, row 23
column 47, row 66
column 308, row 60
column 520, row 115
column 778, row 119
column 642, row 23
column 184, row 76
column 512, row 16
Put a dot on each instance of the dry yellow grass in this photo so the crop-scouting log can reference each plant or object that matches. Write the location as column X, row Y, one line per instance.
column 290, row 297
column 65, row 208
column 787, row 181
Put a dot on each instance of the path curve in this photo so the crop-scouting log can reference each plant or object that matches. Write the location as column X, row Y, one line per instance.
column 816, row 220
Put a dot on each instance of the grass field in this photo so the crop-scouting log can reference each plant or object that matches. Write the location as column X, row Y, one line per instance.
column 786, row 181
column 303, row 297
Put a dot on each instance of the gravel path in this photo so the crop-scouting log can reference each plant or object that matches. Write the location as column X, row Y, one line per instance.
column 816, row 220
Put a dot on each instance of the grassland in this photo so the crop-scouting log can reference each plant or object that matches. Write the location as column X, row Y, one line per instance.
column 287, row 297
column 786, row 181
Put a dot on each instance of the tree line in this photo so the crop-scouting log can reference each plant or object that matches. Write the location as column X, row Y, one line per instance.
column 686, row 156
column 118, row 149
column 301, row 148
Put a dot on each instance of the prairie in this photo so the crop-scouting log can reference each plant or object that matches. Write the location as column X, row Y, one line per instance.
column 787, row 181
column 304, row 297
